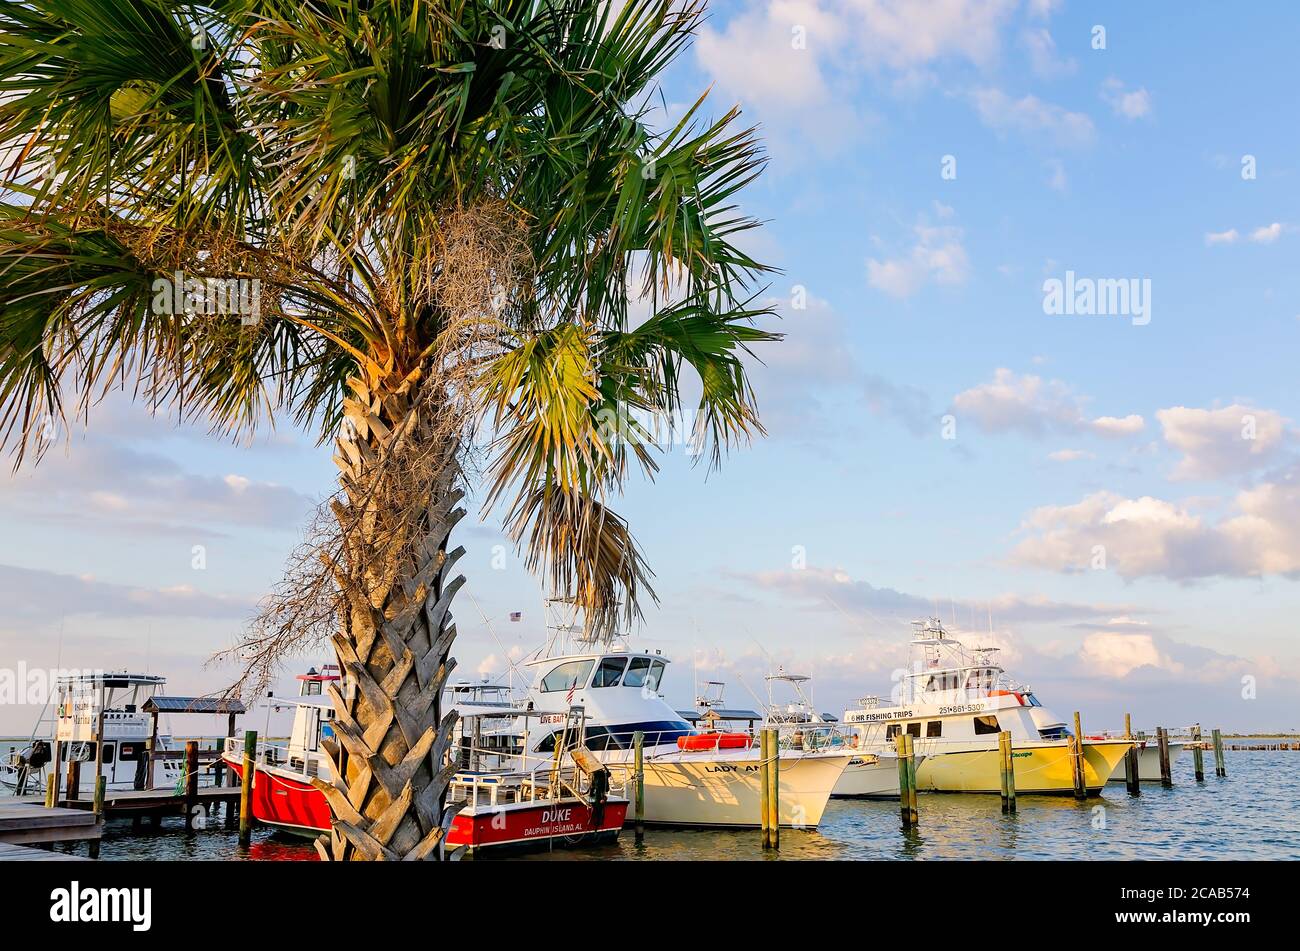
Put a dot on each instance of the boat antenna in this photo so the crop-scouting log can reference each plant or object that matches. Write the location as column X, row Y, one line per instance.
column 488, row 624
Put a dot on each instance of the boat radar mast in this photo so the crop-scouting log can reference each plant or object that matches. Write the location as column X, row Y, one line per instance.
column 567, row 630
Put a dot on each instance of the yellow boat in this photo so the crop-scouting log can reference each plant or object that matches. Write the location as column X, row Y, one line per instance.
column 1042, row 767
column 955, row 702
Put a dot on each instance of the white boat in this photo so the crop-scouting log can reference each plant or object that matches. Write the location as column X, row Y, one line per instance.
column 129, row 704
column 708, row 785
column 868, row 774
column 1148, row 750
column 954, row 702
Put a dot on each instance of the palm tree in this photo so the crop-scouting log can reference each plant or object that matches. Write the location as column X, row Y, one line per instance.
column 443, row 235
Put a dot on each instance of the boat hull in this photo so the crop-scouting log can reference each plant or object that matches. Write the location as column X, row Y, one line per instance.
column 535, row 825
column 1149, row 762
column 1039, row 768
column 870, row 775
column 299, row 808
column 723, row 789
column 289, row 804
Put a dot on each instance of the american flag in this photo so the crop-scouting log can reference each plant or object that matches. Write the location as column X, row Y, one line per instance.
column 569, row 697
column 516, row 615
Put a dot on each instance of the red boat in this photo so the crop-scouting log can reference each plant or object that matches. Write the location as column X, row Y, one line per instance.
column 541, row 808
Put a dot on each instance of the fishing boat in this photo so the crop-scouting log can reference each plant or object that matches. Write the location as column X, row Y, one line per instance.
column 556, row 803
column 691, row 778
column 113, row 717
column 955, row 701
column 1148, row 755
column 802, row 726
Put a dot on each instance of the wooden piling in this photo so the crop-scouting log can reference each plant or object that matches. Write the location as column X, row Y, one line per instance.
column 1006, row 753
column 1132, row 778
column 51, row 790
column 72, row 788
column 764, row 788
column 1162, row 744
column 191, row 780
column 246, row 788
column 638, row 746
column 1220, row 764
column 774, row 789
column 1076, row 759
column 906, row 780
column 101, row 785
column 1198, row 758
column 911, row 781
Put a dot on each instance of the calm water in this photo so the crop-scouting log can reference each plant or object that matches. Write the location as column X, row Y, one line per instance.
column 1250, row 814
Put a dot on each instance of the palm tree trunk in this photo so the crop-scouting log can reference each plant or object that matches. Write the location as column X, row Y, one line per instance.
column 391, row 767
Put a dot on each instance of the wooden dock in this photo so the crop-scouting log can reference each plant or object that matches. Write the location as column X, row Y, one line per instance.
column 28, row 822
column 20, row 853
column 136, row 802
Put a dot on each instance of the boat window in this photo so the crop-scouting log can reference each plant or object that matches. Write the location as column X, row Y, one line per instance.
column 130, row 751
column 610, row 672
column 108, row 752
column 986, row 725
column 934, row 728
column 656, row 675
column 567, row 676
column 892, row 731
column 636, row 672
column 932, row 683
column 914, row 729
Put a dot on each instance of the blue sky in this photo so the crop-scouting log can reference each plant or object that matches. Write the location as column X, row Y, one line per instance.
column 1171, row 444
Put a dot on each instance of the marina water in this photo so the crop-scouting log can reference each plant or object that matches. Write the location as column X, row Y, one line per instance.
column 1250, row 814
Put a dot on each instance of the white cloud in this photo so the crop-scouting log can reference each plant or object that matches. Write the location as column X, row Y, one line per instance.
column 904, row 33
column 1069, row 455
column 1044, row 59
column 1033, row 118
column 1057, row 179
column 1267, row 234
column 1112, row 654
column 1221, row 442
column 1129, row 103
column 1034, row 406
column 1118, row 425
column 36, row 595
column 1222, row 237
column 937, row 256
column 1151, row 537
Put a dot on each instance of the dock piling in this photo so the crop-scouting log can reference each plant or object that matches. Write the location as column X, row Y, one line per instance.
column 638, row 745
column 1132, row 778
column 191, row 780
column 51, row 790
column 1076, row 759
column 1005, row 752
column 1162, row 743
column 1198, row 758
column 906, row 780
column 912, row 810
column 765, row 788
column 101, row 786
column 774, row 789
column 1220, row 764
column 246, row 788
